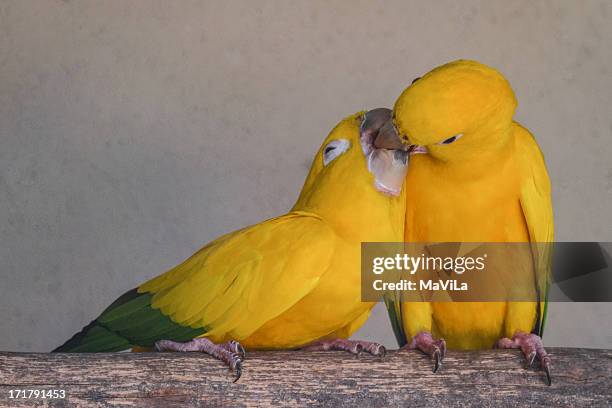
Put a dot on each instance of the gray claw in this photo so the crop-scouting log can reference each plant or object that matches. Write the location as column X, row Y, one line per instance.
column 443, row 348
column 530, row 359
column 241, row 350
column 437, row 357
column 238, row 369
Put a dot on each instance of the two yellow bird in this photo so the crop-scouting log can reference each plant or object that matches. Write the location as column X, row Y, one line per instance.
column 295, row 279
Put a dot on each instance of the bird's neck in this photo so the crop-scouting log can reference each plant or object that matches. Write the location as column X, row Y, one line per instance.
column 361, row 214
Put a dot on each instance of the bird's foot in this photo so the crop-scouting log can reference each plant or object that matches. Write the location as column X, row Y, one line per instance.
column 531, row 345
column 231, row 353
column 425, row 342
column 352, row 346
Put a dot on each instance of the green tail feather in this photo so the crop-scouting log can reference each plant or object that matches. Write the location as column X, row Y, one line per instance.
column 129, row 321
column 395, row 316
column 94, row 338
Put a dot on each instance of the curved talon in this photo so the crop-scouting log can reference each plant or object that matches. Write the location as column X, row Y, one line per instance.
column 235, row 348
column 531, row 358
column 381, row 351
column 548, row 377
column 442, row 343
column 437, row 357
column 238, row 369
column 425, row 342
column 532, row 348
column 238, row 349
column 545, row 363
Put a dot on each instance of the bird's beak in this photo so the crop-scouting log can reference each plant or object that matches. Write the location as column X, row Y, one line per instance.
column 387, row 138
column 387, row 156
column 416, row 149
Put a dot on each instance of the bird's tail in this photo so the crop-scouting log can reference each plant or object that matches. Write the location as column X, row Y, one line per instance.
column 129, row 321
column 94, row 338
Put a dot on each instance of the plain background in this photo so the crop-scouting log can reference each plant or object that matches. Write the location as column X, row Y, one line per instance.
column 131, row 133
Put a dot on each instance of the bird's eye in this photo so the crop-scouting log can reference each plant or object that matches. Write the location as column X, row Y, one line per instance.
column 451, row 139
column 334, row 149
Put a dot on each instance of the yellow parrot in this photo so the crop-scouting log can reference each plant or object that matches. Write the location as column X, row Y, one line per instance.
column 475, row 176
column 288, row 282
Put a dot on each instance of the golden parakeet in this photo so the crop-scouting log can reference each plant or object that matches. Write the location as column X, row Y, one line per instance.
column 475, row 176
column 284, row 283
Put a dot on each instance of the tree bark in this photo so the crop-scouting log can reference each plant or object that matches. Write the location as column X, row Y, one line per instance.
column 581, row 377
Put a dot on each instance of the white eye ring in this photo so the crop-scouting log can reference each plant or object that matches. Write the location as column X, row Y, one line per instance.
column 451, row 139
column 334, row 149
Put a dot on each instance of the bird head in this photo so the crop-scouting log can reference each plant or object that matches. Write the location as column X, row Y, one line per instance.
column 455, row 112
column 360, row 167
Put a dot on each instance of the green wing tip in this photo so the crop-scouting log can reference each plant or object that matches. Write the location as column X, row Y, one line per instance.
column 129, row 321
column 396, row 322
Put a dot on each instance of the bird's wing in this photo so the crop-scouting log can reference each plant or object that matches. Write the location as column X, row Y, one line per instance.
column 536, row 203
column 230, row 287
column 242, row 280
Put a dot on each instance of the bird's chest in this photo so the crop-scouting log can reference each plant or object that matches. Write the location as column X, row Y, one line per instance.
column 487, row 209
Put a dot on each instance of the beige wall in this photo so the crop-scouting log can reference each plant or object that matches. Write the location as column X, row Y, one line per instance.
column 131, row 133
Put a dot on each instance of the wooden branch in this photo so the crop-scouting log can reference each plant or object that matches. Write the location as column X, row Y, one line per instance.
column 581, row 377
